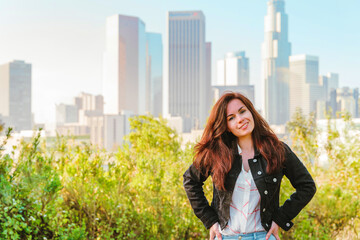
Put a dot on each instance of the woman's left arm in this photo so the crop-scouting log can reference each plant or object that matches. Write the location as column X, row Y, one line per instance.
column 304, row 185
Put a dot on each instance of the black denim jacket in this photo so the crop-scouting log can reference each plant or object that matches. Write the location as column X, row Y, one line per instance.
column 268, row 186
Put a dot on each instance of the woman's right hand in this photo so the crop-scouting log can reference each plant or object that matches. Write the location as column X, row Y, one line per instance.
column 214, row 232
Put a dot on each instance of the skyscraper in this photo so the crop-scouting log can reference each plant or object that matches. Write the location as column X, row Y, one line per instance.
column 15, row 95
column 344, row 100
column 329, row 82
column 233, row 70
column 124, row 82
column 186, row 82
column 276, row 50
column 154, row 73
column 333, row 81
column 304, row 86
column 209, row 97
column 66, row 113
column 89, row 105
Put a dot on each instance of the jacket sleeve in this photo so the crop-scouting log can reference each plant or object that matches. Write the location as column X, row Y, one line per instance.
column 304, row 185
column 193, row 184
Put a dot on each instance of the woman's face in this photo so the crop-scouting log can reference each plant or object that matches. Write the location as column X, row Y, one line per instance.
column 239, row 119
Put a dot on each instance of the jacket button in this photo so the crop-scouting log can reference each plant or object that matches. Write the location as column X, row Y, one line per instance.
column 274, row 179
column 266, row 192
column 255, row 160
column 259, row 172
column 288, row 224
column 264, row 209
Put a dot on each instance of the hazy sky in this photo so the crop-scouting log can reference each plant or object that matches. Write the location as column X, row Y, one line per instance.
column 64, row 39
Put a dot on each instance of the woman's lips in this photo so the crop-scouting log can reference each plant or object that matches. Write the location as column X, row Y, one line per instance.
column 243, row 127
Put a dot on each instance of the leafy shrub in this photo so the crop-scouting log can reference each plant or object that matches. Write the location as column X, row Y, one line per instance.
column 334, row 211
column 75, row 191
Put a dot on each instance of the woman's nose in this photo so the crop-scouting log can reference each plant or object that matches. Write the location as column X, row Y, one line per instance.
column 239, row 118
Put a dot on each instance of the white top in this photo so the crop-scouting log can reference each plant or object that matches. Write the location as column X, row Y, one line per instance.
column 245, row 206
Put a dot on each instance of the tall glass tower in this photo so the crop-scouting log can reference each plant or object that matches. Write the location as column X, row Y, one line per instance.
column 185, row 75
column 154, row 73
column 124, row 83
column 276, row 50
column 15, row 95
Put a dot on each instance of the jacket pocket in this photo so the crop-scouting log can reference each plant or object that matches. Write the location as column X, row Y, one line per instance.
column 273, row 183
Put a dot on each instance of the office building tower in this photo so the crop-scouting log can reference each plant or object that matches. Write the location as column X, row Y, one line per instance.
column 124, row 80
column 332, row 104
column 333, row 81
column 154, row 73
column 15, row 95
column 233, row 70
column 66, row 113
column 75, row 119
column 305, row 89
column 356, row 99
column 276, row 50
column 329, row 81
column 90, row 102
column 345, row 100
column 185, row 77
column 323, row 81
column 108, row 131
column 209, row 97
column 89, row 105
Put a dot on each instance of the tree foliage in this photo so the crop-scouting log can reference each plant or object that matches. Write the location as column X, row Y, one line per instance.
column 71, row 190
column 76, row 191
column 334, row 211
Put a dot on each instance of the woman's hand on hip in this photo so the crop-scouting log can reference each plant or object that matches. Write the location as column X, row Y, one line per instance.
column 274, row 230
column 214, row 232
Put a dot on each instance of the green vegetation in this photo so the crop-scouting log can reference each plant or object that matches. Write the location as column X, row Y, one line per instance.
column 335, row 209
column 73, row 190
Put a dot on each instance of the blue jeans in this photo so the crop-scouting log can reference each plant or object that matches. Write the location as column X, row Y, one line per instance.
column 249, row 236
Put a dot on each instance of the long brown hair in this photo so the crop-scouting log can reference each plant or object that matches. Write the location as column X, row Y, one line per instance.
column 215, row 151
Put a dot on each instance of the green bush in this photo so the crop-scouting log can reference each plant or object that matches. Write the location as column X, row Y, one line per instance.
column 334, row 211
column 74, row 190
column 77, row 191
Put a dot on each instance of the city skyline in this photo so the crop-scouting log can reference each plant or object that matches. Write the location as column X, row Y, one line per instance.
column 65, row 40
column 275, row 52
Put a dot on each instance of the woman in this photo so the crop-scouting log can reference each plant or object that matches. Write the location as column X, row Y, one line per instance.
column 246, row 162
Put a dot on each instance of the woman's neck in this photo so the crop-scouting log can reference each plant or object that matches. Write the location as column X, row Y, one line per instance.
column 246, row 144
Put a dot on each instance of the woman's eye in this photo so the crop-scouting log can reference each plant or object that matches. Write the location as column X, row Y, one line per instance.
column 230, row 118
column 242, row 111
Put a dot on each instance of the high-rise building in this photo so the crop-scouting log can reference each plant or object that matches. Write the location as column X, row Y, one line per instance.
column 304, row 86
column 356, row 98
column 333, row 81
column 124, row 82
column 276, row 50
column 90, row 102
column 15, row 95
column 330, row 81
column 154, row 73
column 233, row 70
column 345, row 100
column 209, row 101
column 89, row 105
column 75, row 119
column 108, row 131
column 66, row 113
column 185, row 73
